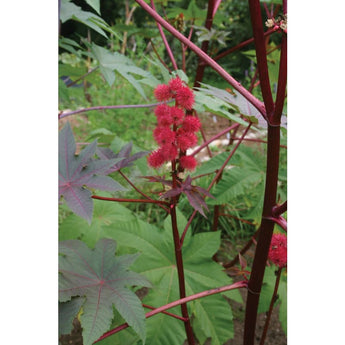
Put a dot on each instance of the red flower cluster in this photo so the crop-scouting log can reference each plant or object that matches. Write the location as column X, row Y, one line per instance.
column 278, row 250
column 174, row 130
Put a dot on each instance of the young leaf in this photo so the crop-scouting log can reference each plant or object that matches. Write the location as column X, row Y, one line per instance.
column 193, row 193
column 103, row 279
column 75, row 172
column 124, row 154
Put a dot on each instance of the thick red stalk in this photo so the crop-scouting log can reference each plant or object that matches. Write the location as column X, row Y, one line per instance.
column 170, row 305
column 180, row 273
column 224, row 74
column 260, row 47
column 265, row 235
column 272, row 167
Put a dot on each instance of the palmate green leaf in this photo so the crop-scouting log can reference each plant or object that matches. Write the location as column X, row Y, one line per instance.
column 106, row 216
column 103, row 280
column 112, row 61
column 157, row 263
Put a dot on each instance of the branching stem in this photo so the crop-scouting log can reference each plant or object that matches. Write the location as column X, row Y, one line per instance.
column 104, row 107
column 224, row 74
column 129, row 200
column 237, row 285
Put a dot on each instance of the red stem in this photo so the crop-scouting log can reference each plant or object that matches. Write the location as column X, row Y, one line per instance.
column 165, row 41
column 202, row 294
column 258, row 141
column 129, row 200
column 265, row 235
column 103, row 107
column 241, row 45
column 279, row 209
column 281, row 221
column 242, row 251
column 166, row 313
column 204, row 46
column 269, row 313
column 206, row 143
column 224, row 74
column 282, row 81
column 273, row 134
column 260, row 47
column 139, row 191
column 180, row 273
column 220, row 171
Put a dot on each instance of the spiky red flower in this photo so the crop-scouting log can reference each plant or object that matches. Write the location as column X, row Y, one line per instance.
column 177, row 115
column 191, row 124
column 175, row 84
column 162, row 92
column 185, row 97
column 156, row 159
column 185, row 140
column 169, row 152
column 188, row 162
column 164, row 135
column 278, row 250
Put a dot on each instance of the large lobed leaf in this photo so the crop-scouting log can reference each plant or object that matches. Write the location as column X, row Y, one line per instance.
column 157, row 264
column 110, row 62
column 76, row 172
column 103, row 280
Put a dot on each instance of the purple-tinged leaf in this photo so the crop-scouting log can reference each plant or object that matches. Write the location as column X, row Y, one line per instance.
column 126, row 161
column 194, row 195
column 171, row 193
column 76, row 172
column 103, row 279
column 196, row 201
column 158, row 179
column 204, row 191
column 79, row 201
